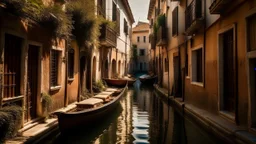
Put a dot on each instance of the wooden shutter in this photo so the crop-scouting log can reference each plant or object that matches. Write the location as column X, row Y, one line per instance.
column 175, row 21
column 252, row 33
column 54, row 67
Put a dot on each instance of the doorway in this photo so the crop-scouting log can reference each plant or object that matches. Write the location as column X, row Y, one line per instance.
column 113, row 68
column 32, row 82
column 177, row 80
column 227, row 73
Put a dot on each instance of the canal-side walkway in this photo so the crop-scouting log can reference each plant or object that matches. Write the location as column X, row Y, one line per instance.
column 213, row 123
column 36, row 131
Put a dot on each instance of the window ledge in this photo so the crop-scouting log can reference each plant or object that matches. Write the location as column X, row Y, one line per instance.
column 54, row 88
column 70, row 79
column 13, row 99
column 198, row 84
column 228, row 115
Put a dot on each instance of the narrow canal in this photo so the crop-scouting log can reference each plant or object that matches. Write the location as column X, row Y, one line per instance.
column 142, row 118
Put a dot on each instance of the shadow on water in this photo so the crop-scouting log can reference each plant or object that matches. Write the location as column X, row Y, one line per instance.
column 141, row 118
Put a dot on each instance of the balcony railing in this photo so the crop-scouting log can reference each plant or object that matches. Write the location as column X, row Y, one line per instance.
column 108, row 36
column 162, row 36
column 194, row 16
column 218, row 6
column 101, row 11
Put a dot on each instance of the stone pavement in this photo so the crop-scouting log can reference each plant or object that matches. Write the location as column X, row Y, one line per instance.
column 36, row 131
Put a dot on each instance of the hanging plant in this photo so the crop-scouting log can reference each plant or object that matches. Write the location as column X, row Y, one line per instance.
column 86, row 26
column 34, row 11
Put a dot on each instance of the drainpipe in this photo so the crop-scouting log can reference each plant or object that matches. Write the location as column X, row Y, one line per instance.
column 125, row 68
column 66, row 74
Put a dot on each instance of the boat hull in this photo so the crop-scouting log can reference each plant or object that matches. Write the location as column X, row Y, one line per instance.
column 148, row 81
column 116, row 82
column 87, row 118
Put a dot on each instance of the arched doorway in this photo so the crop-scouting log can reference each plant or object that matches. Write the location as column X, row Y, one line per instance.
column 113, row 68
column 82, row 74
column 119, row 67
column 94, row 69
column 105, row 69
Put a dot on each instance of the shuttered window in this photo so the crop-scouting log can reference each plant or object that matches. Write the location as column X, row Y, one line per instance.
column 175, row 22
column 251, row 24
column 54, row 67
column 125, row 27
column 71, row 56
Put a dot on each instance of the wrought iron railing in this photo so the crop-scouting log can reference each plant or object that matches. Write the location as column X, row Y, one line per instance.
column 193, row 12
column 108, row 35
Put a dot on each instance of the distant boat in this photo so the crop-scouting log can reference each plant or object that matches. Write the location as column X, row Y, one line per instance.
column 147, row 79
column 95, row 109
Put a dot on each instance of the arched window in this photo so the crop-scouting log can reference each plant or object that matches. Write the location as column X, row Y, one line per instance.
column 71, row 56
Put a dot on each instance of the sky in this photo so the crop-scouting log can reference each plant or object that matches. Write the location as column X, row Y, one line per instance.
column 139, row 10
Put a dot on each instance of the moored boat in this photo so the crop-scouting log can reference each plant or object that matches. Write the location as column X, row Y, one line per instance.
column 147, row 79
column 116, row 82
column 130, row 80
column 90, row 116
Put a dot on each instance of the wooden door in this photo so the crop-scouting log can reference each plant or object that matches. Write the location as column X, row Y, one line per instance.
column 177, row 79
column 32, row 81
column 229, row 70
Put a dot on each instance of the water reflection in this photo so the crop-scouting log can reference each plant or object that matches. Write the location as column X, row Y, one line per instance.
column 141, row 118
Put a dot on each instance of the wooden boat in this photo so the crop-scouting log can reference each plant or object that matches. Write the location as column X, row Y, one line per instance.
column 90, row 116
column 116, row 82
column 131, row 80
column 147, row 79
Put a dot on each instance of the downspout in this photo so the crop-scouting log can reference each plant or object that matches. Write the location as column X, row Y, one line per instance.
column 66, row 75
column 125, row 65
column 204, row 41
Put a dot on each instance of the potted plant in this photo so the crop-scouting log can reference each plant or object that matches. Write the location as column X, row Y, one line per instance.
column 46, row 100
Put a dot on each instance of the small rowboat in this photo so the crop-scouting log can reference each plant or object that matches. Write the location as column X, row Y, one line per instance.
column 116, row 82
column 130, row 80
column 147, row 79
column 92, row 111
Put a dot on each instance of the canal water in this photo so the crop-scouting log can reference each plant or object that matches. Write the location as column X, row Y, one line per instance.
column 141, row 118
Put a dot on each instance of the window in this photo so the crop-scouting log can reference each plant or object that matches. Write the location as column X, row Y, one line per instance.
column 197, row 63
column 175, row 22
column 114, row 9
column 165, row 65
column 144, row 39
column 142, row 52
column 125, row 27
column 138, row 39
column 251, row 24
column 186, row 63
column 71, row 56
column 55, row 55
column 116, row 17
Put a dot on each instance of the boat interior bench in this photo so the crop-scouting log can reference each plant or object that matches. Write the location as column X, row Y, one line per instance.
column 89, row 103
column 111, row 89
column 105, row 96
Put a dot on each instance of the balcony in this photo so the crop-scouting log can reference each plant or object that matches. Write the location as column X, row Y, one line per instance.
column 218, row 6
column 108, row 36
column 194, row 17
column 162, row 36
